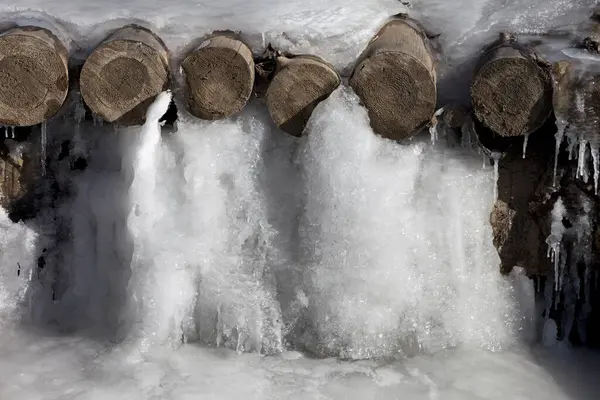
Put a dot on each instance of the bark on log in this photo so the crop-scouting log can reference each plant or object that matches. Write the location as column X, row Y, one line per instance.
column 299, row 85
column 219, row 76
column 121, row 78
column 33, row 76
column 395, row 78
column 511, row 92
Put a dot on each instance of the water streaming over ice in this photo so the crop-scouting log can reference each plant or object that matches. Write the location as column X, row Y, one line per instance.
column 393, row 257
column 233, row 235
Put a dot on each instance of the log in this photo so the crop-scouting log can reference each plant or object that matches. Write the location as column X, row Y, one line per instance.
column 220, row 77
column 299, row 85
column 395, row 78
column 512, row 89
column 123, row 75
column 33, row 76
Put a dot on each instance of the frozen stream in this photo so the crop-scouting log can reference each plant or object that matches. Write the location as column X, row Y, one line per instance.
column 177, row 249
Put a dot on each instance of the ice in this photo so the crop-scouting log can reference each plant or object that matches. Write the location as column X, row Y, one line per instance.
column 231, row 234
column 496, row 159
column 17, row 260
column 420, row 289
column 554, row 240
column 525, row 140
column 558, row 137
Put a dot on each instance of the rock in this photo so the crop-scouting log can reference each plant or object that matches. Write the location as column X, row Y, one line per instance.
column 19, row 174
column 519, row 214
column 34, row 74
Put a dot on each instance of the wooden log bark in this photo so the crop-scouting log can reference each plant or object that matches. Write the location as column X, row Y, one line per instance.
column 33, row 76
column 395, row 78
column 299, row 85
column 220, row 77
column 512, row 89
column 123, row 75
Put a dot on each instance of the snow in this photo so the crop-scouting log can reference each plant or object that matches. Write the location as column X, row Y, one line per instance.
column 184, row 257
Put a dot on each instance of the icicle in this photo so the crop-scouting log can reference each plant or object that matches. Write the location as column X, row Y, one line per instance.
column 434, row 128
column 12, row 132
column 595, row 151
column 558, row 138
column 5, row 131
column 554, row 240
column 582, row 164
column 525, row 140
column 433, row 133
column 44, row 145
column 496, row 157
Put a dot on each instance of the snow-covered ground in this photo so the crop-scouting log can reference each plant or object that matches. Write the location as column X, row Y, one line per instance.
column 232, row 234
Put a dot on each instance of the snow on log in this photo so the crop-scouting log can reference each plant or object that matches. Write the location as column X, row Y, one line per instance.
column 123, row 75
column 220, row 77
column 33, row 76
column 395, row 78
column 512, row 89
column 299, row 85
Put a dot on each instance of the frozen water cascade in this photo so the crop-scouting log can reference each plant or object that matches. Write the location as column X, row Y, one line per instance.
column 221, row 261
column 200, row 247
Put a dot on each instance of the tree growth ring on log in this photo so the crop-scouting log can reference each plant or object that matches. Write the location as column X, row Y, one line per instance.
column 34, row 76
column 300, row 83
column 395, row 78
column 512, row 89
column 124, row 74
column 220, row 77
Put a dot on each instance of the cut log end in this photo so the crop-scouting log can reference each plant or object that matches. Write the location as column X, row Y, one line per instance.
column 398, row 91
column 395, row 79
column 124, row 74
column 512, row 96
column 297, row 88
column 220, row 78
column 33, row 76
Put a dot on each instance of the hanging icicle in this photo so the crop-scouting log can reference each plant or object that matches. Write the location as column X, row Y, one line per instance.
column 496, row 157
column 436, row 125
column 558, row 138
column 554, row 240
column 582, row 160
column 525, row 140
column 595, row 151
